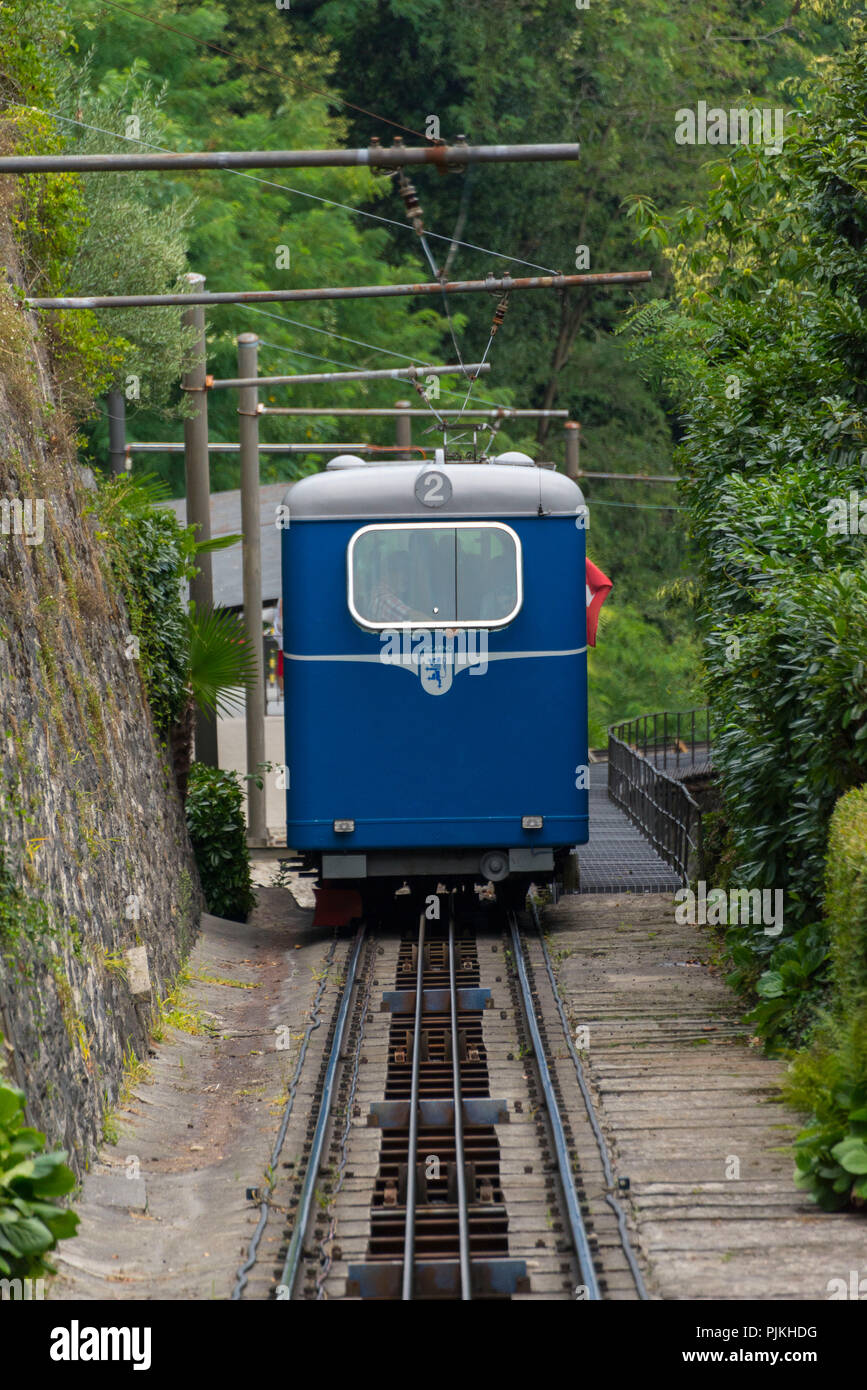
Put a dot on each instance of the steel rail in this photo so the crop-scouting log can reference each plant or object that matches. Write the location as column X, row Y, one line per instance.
column 293, row 1254
column 407, row 1289
column 463, row 1210
column 327, row 1256
column 620, row 1215
column 492, row 285
column 375, row 156
column 567, row 1179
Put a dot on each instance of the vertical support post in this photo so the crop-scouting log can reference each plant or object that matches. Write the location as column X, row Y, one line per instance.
column 116, row 404
column 198, row 486
column 248, row 366
column 403, row 427
column 572, row 431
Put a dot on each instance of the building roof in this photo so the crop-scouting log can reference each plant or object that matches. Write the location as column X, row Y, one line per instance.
column 227, row 565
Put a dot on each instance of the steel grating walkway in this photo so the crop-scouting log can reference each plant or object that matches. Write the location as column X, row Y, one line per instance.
column 618, row 858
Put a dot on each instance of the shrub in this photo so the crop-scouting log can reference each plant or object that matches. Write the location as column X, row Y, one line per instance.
column 215, row 820
column 151, row 557
column 829, row 1079
column 790, row 989
column 763, row 353
column 846, row 895
column 31, row 1222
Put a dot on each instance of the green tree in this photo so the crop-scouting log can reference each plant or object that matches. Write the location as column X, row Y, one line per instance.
column 241, row 223
column 764, row 352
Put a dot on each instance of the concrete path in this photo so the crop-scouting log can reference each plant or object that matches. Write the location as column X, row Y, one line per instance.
column 165, row 1212
column 690, row 1109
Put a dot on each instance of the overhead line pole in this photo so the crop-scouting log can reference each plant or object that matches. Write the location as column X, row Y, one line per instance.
column 198, row 488
column 491, row 285
column 375, row 156
column 572, row 434
column 248, row 348
column 402, row 427
column 116, row 405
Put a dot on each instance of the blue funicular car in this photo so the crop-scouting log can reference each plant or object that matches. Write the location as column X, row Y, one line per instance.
column 435, row 659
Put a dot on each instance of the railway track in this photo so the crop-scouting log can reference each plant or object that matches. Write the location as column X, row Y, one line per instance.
column 455, row 1152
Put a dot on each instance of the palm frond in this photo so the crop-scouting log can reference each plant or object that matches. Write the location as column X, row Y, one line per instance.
column 221, row 660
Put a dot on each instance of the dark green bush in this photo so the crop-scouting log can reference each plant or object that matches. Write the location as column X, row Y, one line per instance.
column 791, row 987
column 215, row 820
column 151, row 556
column 846, row 896
column 829, row 1080
column 764, row 354
column 31, row 1222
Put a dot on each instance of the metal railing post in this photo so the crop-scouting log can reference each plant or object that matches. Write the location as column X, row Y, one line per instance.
column 198, row 485
column 248, row 357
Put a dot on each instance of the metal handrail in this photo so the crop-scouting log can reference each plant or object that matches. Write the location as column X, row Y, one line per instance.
column 659, row 804
column 673, row 734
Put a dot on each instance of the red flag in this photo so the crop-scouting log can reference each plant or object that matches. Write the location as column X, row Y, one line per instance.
column 598, row 587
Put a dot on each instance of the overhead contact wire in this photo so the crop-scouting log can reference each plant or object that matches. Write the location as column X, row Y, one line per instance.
column 286, row 188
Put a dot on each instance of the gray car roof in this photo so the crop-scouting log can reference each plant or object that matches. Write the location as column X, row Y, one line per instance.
column 388, row 490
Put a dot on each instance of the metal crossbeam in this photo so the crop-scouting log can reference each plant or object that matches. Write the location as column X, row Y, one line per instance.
column 363, row 374
column 414, row 412
column 492, row 285
column 375, row 157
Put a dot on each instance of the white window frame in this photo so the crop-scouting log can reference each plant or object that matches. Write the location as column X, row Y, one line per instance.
column 421, row 624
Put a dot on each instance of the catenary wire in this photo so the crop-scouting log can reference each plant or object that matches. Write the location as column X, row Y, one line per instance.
column 286, row 188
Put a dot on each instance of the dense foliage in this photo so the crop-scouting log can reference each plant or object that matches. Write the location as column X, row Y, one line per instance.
column 151, row 555
column 226, row 79
column 215, row 819
column 47, row 212
column 31, row 1222
column 199, row 75
column 829, row 1079
column 763, row 354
